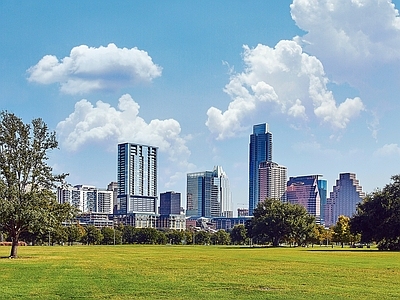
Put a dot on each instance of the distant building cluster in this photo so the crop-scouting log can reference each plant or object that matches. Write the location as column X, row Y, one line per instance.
column 269, row 180
column 133, row 199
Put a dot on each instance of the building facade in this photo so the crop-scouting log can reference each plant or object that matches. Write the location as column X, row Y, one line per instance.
column 86, row 198
column 272, row 179
column 137, row 178
column 113, row 186
column 303, row 190
column 170, row 203
column 242, row 212
column 208, row 194
column 260, row 150
column 343, row 200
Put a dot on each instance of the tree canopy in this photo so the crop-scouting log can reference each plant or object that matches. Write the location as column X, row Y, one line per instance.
column 275, row 222
column 377, row 218
column 27, row 203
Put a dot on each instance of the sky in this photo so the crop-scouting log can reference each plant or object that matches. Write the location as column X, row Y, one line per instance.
column 193, row 77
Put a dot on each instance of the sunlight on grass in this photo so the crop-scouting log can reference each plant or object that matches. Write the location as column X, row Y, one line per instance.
column 198, row 272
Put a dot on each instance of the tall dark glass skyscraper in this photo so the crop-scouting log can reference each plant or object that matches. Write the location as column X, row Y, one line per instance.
column 260, row 150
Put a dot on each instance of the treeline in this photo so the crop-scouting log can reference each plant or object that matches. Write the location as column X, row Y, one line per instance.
column 91, row 235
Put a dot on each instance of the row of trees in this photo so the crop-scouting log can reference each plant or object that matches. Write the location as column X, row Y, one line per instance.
column 90, row 235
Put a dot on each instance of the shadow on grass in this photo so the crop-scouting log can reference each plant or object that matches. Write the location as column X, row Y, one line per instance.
column 233, row 247
column 344, row 250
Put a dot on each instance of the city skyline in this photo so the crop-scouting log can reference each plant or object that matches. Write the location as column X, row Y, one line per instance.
column 193, row 78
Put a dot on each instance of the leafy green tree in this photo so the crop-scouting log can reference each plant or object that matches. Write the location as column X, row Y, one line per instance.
column 238, row 235
column 202, row 238
column 27, row 203
column 128, row 235
column 301, row 224
column 161, row 238
column 92, row 235
column 58, row 235
column 221, row 237
column 341, row 230
column 108, row 236
column 188, row 237
column 75, row 233
column 377, row 218
column 175, row 237
column 147, row 236
column 317, row 235
column 274, row 221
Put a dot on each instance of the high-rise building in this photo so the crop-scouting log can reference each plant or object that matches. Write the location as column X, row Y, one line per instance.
column 170, row 203
column 137, row 178
column 86, row 198
column 260, row 150
column 272, row 180
column 208, row 194
column 113, row 186
column 343, row 200
column 303, row 190
column 323, row 194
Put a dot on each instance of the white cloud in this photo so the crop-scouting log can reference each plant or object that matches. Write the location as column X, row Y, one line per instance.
column 107, row 125
column 89, row 69
column 388, row 150
column 350, row 37
column 283, row 77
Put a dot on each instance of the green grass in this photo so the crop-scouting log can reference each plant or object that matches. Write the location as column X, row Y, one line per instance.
column 200, row 272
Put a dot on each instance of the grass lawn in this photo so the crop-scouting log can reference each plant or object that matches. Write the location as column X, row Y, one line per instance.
column 198, row 272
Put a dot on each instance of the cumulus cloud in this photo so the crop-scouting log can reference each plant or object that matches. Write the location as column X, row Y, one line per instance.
column 388, row 150
column 349, row 36
column 102, row 123
column 89, row 69
column 283, row 77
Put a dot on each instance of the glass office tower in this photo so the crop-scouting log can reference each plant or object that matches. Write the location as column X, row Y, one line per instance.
column 260, row 150
column 208, row 194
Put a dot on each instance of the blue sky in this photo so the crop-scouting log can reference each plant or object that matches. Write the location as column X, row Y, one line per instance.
column 193, row 77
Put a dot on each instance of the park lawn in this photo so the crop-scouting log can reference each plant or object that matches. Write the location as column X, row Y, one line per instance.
column 198, row 272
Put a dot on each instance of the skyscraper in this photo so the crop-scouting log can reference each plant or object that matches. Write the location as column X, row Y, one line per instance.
column 272, row 180
column 170, row 203
column 343, row 200
column 208, row 194
column 323, row 194
column 260, row 150
column 137, row 178
column 303, row 190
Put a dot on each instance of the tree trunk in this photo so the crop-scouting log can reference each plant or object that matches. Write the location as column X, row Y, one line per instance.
column 14, row 247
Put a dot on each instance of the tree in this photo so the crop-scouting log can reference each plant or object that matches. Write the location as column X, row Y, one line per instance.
column 274, row 221
column 377, row 217
column 128, row 235
column 74, row 233
column 221, row 237
column 108, row 236
column 27, row 203
column 202, row 237
column 175, row 237
column 92, row 235
column 301, row 224
column 238, row 234
column 318, row 235
column 341, row 230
